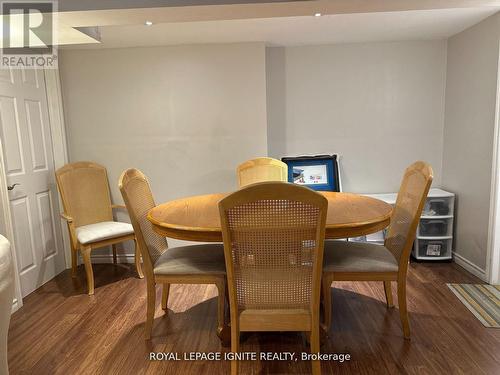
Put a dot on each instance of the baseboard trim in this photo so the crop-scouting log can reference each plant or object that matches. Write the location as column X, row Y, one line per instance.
column 470, row 267
column 108, row 258
column 15, row 305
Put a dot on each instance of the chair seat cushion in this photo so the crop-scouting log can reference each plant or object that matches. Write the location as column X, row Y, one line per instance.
column 102, row 231
column 342, row 256
column 192, row 260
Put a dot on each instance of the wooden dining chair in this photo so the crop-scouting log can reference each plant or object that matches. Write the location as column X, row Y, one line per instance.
column 194, row 264
column 261, row 170
column 88, row 211
column 356, row 261
column 273, row 243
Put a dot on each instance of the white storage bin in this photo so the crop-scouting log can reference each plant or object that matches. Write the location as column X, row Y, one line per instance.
column 358, row 239
column 432, row 249
column 442, row 206
column 377, row 237
column 435, row 227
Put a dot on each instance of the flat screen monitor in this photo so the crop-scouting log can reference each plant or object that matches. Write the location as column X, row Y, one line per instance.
column 318, row 172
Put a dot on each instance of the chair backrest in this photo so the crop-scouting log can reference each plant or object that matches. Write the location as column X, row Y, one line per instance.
column 406, row 214
column 6, row 297
column 273, row 244
column 84, row 192
column 138, row 198
column 261, row 170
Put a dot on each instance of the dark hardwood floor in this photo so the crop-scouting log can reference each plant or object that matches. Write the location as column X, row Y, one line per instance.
column 61, row 330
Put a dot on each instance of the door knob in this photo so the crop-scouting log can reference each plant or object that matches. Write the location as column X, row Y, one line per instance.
column 11, row 187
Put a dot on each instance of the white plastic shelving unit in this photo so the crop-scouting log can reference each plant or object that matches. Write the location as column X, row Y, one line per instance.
column 435, row 231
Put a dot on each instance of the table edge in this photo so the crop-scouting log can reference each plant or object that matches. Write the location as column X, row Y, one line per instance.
column 177, row 227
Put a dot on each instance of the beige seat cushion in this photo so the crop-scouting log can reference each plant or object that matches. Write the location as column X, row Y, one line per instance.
column 192, row 260
column 342, row 256
column 102, row 231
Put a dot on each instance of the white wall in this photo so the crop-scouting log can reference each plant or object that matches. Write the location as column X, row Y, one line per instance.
column 379, row 105
column 471, row 91
column 186, row 116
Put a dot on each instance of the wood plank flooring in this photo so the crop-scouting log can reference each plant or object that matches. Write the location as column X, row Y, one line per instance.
column 61, row 330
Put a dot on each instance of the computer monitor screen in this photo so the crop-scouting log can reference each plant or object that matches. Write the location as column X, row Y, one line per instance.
column 317, row 172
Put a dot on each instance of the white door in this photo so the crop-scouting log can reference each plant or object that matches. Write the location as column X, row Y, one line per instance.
column 29, row 167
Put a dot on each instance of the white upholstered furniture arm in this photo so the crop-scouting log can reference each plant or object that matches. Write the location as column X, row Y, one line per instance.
column 6, row 298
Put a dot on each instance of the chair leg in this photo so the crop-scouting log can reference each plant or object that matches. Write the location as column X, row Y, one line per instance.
column 315, row 347
column 138, row 266
column 88, row 268
column 151, row 304
column 327, row 302
column 235, row 345
column 114, row 254
column 221, row 288
column 388, row 294
column 403, row 312
column 74, row 260
column 164, row 296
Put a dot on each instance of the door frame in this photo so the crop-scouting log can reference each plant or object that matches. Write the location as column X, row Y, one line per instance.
column 60, row 153
column 59, row 142
column 9, row 231
column 493, row 251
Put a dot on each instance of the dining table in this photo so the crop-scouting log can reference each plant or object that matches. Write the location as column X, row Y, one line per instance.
column 197, row 218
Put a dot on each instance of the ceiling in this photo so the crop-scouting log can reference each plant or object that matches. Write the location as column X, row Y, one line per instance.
column 79, row 5
column 290, row 31
column 121, row 23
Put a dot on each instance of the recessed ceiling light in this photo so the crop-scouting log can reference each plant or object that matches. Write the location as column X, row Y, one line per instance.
column 317, row 14
column 148, row 23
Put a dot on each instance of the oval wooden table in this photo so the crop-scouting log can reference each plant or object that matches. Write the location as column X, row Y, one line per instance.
column 196, row 218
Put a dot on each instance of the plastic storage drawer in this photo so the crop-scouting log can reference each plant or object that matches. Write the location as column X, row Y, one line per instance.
column 435, row 227
column 438, row 207
column 433, row 248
